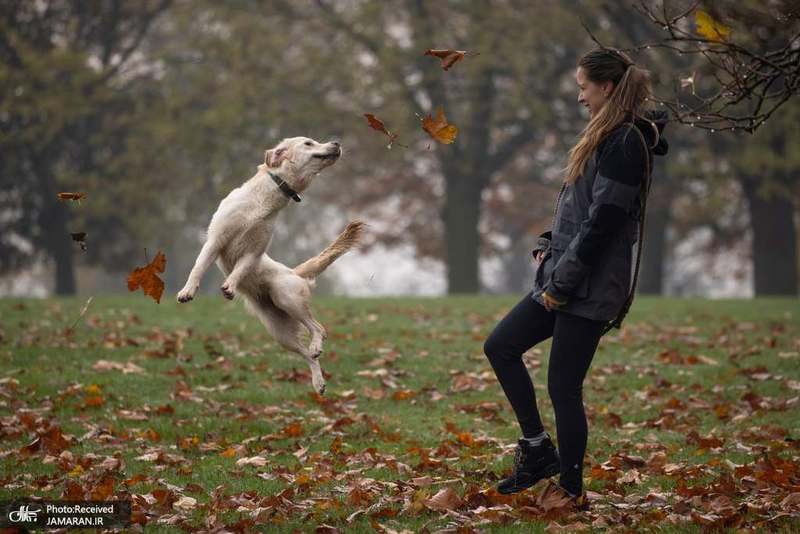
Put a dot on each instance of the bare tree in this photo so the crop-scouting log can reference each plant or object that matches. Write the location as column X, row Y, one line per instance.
column 750, row 60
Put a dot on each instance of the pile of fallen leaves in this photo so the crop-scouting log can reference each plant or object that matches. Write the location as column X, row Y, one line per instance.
column 206, row 452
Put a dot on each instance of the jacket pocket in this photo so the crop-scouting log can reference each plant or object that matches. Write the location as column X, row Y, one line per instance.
column 558, row 246
column 540, row 276
column 583, row 288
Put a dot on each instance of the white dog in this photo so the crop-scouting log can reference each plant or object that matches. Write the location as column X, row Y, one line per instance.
column 240, row 232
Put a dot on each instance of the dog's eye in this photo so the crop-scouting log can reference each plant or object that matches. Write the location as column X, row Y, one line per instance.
column 309, row 143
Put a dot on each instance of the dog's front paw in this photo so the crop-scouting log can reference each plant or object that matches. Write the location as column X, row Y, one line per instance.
column 315, row 348
column 320, row 387
column 227, row 291
column 187, row 293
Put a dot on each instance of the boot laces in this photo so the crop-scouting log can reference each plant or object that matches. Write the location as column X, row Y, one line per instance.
column 519, row 459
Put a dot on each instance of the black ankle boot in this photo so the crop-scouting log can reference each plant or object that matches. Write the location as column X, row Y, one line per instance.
column 531, row 464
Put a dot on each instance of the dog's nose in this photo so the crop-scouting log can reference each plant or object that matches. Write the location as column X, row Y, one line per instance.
column 337, row 144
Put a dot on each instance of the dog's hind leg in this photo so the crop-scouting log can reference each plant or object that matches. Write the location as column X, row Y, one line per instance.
column 292, row 295
column 286, row 331
column 287, row 336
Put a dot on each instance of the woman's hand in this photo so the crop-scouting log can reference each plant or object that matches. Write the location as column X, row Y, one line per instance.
column 550, row 303
column 537, row 257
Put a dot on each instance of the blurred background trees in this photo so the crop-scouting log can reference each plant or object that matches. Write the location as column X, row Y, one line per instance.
column 157, row 109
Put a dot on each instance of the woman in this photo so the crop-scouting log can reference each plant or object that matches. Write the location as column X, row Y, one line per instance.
column 583, row 274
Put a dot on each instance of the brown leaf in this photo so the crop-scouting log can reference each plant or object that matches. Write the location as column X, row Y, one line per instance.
column 377, row 124
column 439, row 128
column 448, row 57
column 103, row 489
column 230, row 452
column 126, row 368
column 71, row 196
column 93, row 401
column 445, row 499
column 791, row 501
column 258, row 461
column 146, row 277
column 185, row 503
column 553, row 497
column 293, row 430
column 403, row 394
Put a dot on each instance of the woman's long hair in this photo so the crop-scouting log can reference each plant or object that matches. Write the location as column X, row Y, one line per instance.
column 631, row 93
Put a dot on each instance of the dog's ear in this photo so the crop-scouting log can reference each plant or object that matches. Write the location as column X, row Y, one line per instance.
column 274, row 156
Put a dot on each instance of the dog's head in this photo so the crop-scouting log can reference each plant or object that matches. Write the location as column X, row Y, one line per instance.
column 299, row 159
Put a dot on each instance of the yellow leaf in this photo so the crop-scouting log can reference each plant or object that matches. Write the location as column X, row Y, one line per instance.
column 710, row 28
column 92, row 389
column 76, row 471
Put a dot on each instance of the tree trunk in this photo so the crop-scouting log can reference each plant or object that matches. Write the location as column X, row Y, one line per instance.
column 774, row 241
column 60, row 246
column 520, row 268
column 462, row 239
column 54, row 224
column 651, row 273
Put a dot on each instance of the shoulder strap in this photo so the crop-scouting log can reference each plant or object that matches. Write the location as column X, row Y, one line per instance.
column 645, row 191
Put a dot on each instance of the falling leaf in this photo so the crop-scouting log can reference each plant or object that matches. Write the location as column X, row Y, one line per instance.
column 80, row 237
column 439, row 128
column 71, row 196
column 710, row 28
column 146, row 277
column 448, row 57
column 377, row 124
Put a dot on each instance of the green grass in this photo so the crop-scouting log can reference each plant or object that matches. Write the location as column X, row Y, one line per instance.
column 677, row 366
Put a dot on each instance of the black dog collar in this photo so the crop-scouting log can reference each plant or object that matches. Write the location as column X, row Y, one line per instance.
column 284, row 187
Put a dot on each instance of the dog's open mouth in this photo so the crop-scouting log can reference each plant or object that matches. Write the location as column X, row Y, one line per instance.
column 329, row 155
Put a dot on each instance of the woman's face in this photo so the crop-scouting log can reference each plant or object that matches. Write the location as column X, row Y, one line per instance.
column 592, row 95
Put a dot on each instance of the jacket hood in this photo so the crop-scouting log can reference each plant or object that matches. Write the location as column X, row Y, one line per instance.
column 645, row 124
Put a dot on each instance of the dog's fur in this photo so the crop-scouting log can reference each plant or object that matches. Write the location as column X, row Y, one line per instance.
column 240, row 232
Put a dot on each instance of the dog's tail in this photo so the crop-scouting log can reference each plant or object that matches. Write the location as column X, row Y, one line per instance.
column 349, row 238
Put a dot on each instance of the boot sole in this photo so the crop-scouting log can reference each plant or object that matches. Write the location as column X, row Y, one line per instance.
column 549, row 471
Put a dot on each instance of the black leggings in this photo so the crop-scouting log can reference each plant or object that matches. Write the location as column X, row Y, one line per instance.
column 575, row 340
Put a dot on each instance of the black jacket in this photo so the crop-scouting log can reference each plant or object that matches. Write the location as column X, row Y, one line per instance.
column 589, row 252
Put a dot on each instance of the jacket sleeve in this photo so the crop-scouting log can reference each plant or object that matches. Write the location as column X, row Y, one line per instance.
column 542, row 243
column 615, row 194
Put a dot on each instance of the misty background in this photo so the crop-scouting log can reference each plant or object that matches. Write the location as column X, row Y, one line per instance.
column 155, row 110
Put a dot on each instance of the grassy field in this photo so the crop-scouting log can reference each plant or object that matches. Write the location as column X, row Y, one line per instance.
column 195, row 414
